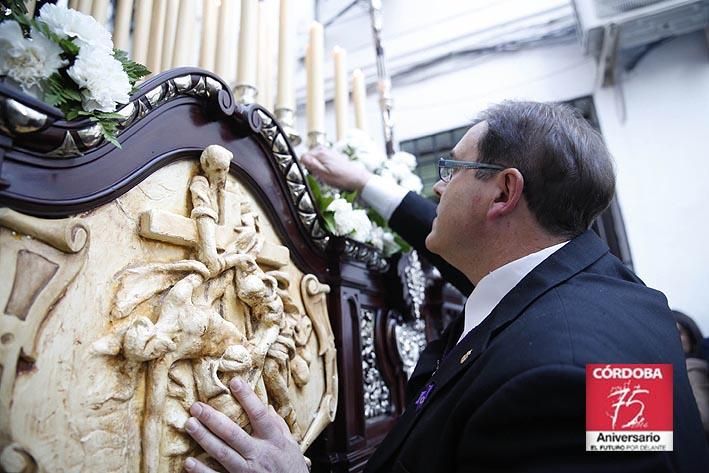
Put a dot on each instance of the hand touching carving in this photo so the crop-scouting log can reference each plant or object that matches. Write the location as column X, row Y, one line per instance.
column 270, row 449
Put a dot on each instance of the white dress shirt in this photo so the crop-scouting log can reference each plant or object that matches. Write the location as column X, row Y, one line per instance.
column 495, row 285
column 384, row 197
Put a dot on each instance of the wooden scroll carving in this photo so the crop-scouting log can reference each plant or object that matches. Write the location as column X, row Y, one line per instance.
column 184, row 286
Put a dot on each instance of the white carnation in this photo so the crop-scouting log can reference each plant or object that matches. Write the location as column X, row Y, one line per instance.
column 376, row 237
column 67, row 23
column 412, row 183
column 397, row 169
column 406, row 159
column 372, row 159
column 362, row 225
column 342, row 211
column 348, row 221
column 359, row 147
column 102, row 80
column 27, row 61
column 389, row 243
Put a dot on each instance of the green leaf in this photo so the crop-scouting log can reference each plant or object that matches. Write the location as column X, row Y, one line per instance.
column 314, row 188
column 134, row 70
column 376, row 218
column 349, row 196
column 329, row 219
column 405, row 247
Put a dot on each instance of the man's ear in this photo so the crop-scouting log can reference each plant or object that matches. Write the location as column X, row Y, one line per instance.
column 510, row 185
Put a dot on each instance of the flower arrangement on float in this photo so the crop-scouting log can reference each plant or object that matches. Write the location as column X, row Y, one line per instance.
column 66, row 59
column 343, row 215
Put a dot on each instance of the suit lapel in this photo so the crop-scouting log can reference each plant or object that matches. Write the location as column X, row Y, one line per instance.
column 572, row 258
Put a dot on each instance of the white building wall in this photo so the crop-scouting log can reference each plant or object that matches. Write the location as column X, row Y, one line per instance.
column 656, row 121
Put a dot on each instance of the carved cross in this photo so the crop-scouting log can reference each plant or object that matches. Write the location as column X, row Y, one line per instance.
column 178, row 230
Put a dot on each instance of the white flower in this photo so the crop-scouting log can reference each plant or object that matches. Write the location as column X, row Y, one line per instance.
column 412, row 183
column 102, row 79
column 342, row 211
column 406, row 159
column 348, row 221
column 389, row 243
column 67, row 23
column 359, row 147
column 372, row 160
column 362, row 225
column 376, row 237
column 27, row 61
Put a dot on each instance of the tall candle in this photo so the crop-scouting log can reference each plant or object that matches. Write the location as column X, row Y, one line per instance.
column 85, row 6
column 359, row 97
column 225, row 31
column 157, row 32
column 265, row 53
column 168, row 41
column 209, row 34
column 121, row 32
column 141, row 30
column 339, row 57
column 99, row 10
column 74, row 4
column 284, row 97
column 316, row 98
column 182, row 55
column 246, row 70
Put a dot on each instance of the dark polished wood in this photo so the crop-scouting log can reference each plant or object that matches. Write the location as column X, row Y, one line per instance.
column 178, row 127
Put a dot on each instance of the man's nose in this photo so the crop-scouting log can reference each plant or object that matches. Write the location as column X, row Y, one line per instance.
column 439, row 187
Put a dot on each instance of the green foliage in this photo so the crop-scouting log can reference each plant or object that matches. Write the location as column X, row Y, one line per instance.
column 134, row 70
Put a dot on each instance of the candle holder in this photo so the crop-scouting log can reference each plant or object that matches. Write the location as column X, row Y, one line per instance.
column 245, row 94
column 315, row 139
column 286, row 117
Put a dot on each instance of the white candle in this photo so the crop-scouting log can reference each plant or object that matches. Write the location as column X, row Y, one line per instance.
column 246, row 70
column 157, row 32
column 316, row 98
column 99, row 10
column 359, row 97
column 182, row 55
column 168, row 41
column 265, row 54
column 285, row 96
column 225, row 31
column 121, row 32
column 141, row 30
column 209, row 34
column 339, row 57
column 74, row 4
column 85, row 6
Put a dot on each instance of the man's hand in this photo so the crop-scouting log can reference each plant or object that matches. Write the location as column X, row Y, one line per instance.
column 335, row 169
column 270, row 448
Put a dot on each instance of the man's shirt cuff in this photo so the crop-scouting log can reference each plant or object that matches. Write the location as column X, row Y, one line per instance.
column 383, row 195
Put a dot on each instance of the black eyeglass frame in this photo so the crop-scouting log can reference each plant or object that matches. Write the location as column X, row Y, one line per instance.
column 444, row 163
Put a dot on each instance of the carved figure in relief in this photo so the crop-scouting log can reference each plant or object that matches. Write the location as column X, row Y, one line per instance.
column 190, row 324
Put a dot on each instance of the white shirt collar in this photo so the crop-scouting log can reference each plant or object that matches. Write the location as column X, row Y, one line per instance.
column 495, row 285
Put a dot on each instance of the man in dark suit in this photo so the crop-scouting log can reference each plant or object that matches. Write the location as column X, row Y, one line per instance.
column 504, row 388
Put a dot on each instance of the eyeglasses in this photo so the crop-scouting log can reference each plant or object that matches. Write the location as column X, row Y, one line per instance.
column 447, row 167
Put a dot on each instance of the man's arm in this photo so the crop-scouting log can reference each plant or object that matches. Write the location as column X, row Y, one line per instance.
column 409, row 215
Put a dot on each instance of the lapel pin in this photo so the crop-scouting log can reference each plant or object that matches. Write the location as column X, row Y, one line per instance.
column 424, row 395
column 465, row 356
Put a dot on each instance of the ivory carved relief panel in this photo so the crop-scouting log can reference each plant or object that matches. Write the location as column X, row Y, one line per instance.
column 114, row 322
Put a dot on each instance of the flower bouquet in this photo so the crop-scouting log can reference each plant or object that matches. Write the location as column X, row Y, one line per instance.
column 344, row 216
column 66, row 59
